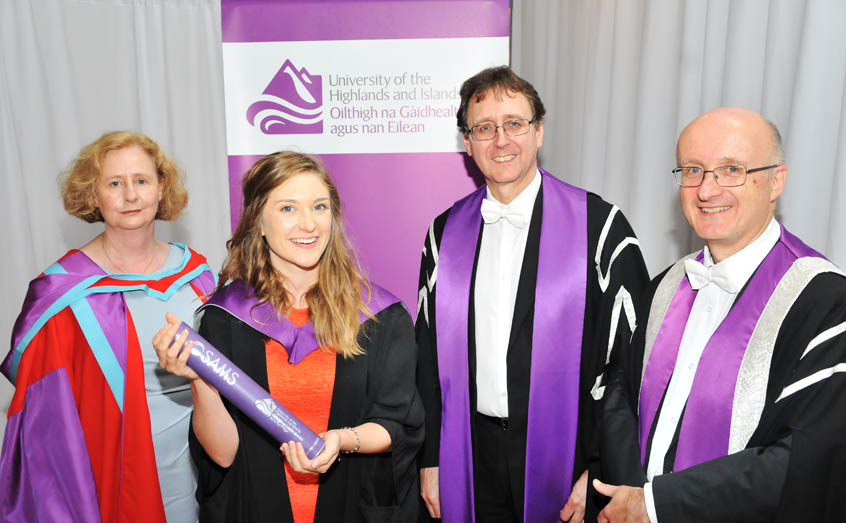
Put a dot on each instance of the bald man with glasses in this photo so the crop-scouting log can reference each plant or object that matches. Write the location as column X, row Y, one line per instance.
column 730, row 403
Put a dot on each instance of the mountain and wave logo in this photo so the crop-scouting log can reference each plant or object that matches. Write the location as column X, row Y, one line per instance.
column 292, row 103
column 266, row 406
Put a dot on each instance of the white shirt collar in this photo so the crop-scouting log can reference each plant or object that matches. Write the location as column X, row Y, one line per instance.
column 739, row 267
column 524, row 203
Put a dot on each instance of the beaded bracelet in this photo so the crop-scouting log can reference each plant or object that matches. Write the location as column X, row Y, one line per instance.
column 357, row 441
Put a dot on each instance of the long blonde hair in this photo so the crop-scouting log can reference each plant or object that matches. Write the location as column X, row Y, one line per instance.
column 336, row 299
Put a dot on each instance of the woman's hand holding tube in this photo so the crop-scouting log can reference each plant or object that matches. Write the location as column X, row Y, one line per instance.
column 168, row 349
column 296, row 456
column 213, row 426
column 367, row 438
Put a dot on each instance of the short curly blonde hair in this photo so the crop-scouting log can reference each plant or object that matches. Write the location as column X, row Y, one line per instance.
column 79, row 183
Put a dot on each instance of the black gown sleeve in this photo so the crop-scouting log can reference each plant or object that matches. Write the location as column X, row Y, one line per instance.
column 376, row 387
column 619, row 449
column 428, row 382
column 211, row 475
column 616, row 277
column 816, row 473
column 393, row 402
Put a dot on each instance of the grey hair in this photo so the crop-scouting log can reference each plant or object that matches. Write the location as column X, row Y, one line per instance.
column 777, row 144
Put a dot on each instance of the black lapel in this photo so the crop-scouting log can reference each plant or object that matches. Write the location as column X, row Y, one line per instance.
column 345, row 410
column 471, row 324
column 249, row 353
column 525, row 300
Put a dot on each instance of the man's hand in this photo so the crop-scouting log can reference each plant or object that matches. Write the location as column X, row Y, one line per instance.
column 627, row 504
column 429, row 490
column 574, row 509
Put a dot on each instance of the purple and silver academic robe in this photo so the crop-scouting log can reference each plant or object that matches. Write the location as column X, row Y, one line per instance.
column 713, row 410
column 757, row 440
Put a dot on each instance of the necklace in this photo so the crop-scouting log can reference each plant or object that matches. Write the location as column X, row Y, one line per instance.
column 119, row 267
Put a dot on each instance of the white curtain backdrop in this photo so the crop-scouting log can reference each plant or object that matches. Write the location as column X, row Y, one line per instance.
column 71, row 70
column 620, row 79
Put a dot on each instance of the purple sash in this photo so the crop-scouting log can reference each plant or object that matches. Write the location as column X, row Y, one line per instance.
column 556, row 352
column 238, row 300
column 706, row 425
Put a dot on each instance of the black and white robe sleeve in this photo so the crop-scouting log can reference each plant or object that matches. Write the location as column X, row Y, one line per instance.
column 428, row 382
column 616, row 277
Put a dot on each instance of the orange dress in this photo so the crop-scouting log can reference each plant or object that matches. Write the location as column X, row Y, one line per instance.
column 306, row 390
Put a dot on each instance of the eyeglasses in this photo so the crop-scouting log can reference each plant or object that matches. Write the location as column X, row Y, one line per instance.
column 487, row 131
column 725, row 176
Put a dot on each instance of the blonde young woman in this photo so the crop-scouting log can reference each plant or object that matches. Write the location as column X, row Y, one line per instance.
column 96, row 430
column 294, row 312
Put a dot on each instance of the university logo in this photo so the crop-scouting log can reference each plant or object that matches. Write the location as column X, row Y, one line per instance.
column 266, row 406
column 292, row 103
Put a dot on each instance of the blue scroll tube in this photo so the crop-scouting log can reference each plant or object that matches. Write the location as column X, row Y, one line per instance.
column 248, row 395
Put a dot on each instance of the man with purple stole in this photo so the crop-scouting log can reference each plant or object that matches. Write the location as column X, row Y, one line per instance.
column 729, row 406
column 524, row 285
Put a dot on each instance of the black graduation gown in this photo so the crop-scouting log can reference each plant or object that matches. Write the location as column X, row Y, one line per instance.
column 793, row 467
column 628, row 270
column 375, row 387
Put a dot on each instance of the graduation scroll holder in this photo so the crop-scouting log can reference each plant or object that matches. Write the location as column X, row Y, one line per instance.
column 248, row 395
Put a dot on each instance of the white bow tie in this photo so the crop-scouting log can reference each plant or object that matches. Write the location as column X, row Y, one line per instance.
column 700, row 276
column 492, row 212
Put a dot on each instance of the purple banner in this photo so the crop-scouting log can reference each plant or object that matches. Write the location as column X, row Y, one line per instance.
column 248, row 396
column 262, row 21
column 372, row 88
